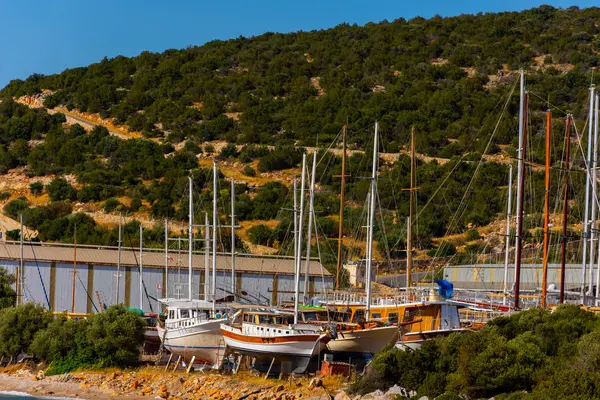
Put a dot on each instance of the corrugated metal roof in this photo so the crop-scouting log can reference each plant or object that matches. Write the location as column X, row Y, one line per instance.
column 153, row 258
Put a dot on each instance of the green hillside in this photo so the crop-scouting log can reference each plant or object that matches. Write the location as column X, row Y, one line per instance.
column 450, row 78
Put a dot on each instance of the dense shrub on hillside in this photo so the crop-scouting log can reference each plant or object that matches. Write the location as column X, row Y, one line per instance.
column 260, row 234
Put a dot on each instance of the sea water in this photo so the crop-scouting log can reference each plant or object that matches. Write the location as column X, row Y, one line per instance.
column 25, row 396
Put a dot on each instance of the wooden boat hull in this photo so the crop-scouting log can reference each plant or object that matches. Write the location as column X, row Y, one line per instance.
column 203, row 341
column 368, row 340
column 295, row 349
column 414, row 340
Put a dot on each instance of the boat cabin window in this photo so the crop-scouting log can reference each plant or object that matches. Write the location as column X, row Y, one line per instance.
column 264, row 319
column 184, row 313
column 249, row 318
column 408, row 315
column 393, row 317
column 358, row 315
column 171, row 314
column 376, row 316
column 279, row 320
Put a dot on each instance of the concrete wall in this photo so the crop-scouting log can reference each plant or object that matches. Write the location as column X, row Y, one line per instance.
column 46, row 282
column 491, row 276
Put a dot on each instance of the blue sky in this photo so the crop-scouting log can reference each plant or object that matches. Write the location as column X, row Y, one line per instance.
column 50, row 36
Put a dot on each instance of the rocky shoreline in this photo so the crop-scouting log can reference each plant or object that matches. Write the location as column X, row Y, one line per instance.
column 153, row 382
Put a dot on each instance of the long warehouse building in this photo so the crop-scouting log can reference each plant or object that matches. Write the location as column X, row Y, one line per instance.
column 48, row 276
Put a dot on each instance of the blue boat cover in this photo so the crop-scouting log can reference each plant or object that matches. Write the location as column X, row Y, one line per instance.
column 445, row 288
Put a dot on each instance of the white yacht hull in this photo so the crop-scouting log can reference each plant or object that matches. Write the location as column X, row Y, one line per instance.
column 296, row 348
column 369, row 340
column 203, row 341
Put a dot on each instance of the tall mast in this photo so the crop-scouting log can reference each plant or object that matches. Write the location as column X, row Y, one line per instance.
column 520, row 186
column 74, row 269
column 586, row 222
column 411, row 211
column 206, row 258
column 21, row 263
column 166, row 288
column 372, row 198
column 141, row 268
column 546, row 209
column 233, row 289
column 311, row 215
column 341, row 222
column 563, row 256
column 214, row 238
column 118, row 260
column 299, row 241
column 190, row 237
column 594, row 200
column 507, row 248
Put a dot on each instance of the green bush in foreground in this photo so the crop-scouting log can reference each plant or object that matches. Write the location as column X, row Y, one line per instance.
column 107, row 339
column 534, row 354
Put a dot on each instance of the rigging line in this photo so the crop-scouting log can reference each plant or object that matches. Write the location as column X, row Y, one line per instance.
column 463, row 204
column 547, row 101
column 40, row 275
column 327, row 151
column 138, row 267
column 316, row 225
column 459, row 161
column 585, row 161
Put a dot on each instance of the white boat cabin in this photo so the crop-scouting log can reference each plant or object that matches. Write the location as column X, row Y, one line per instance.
column 186, row 313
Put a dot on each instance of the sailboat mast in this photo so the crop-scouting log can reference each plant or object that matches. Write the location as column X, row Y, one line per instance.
column 520, row 187
column 563, row 256
column 214, row 238
column 586, row 222
column 190, row 236
column 206, row 258
column 299, row 241
column 409, row 246
column 311, row 215
column 341, row 222
column 546, row 209
column 141, row 268
column 74, row 269
column 233, row 289
column 19, row 272
column 118, row 260
column 166, row 288
column 507, row 241
column 372, row 198
column 594, row 199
